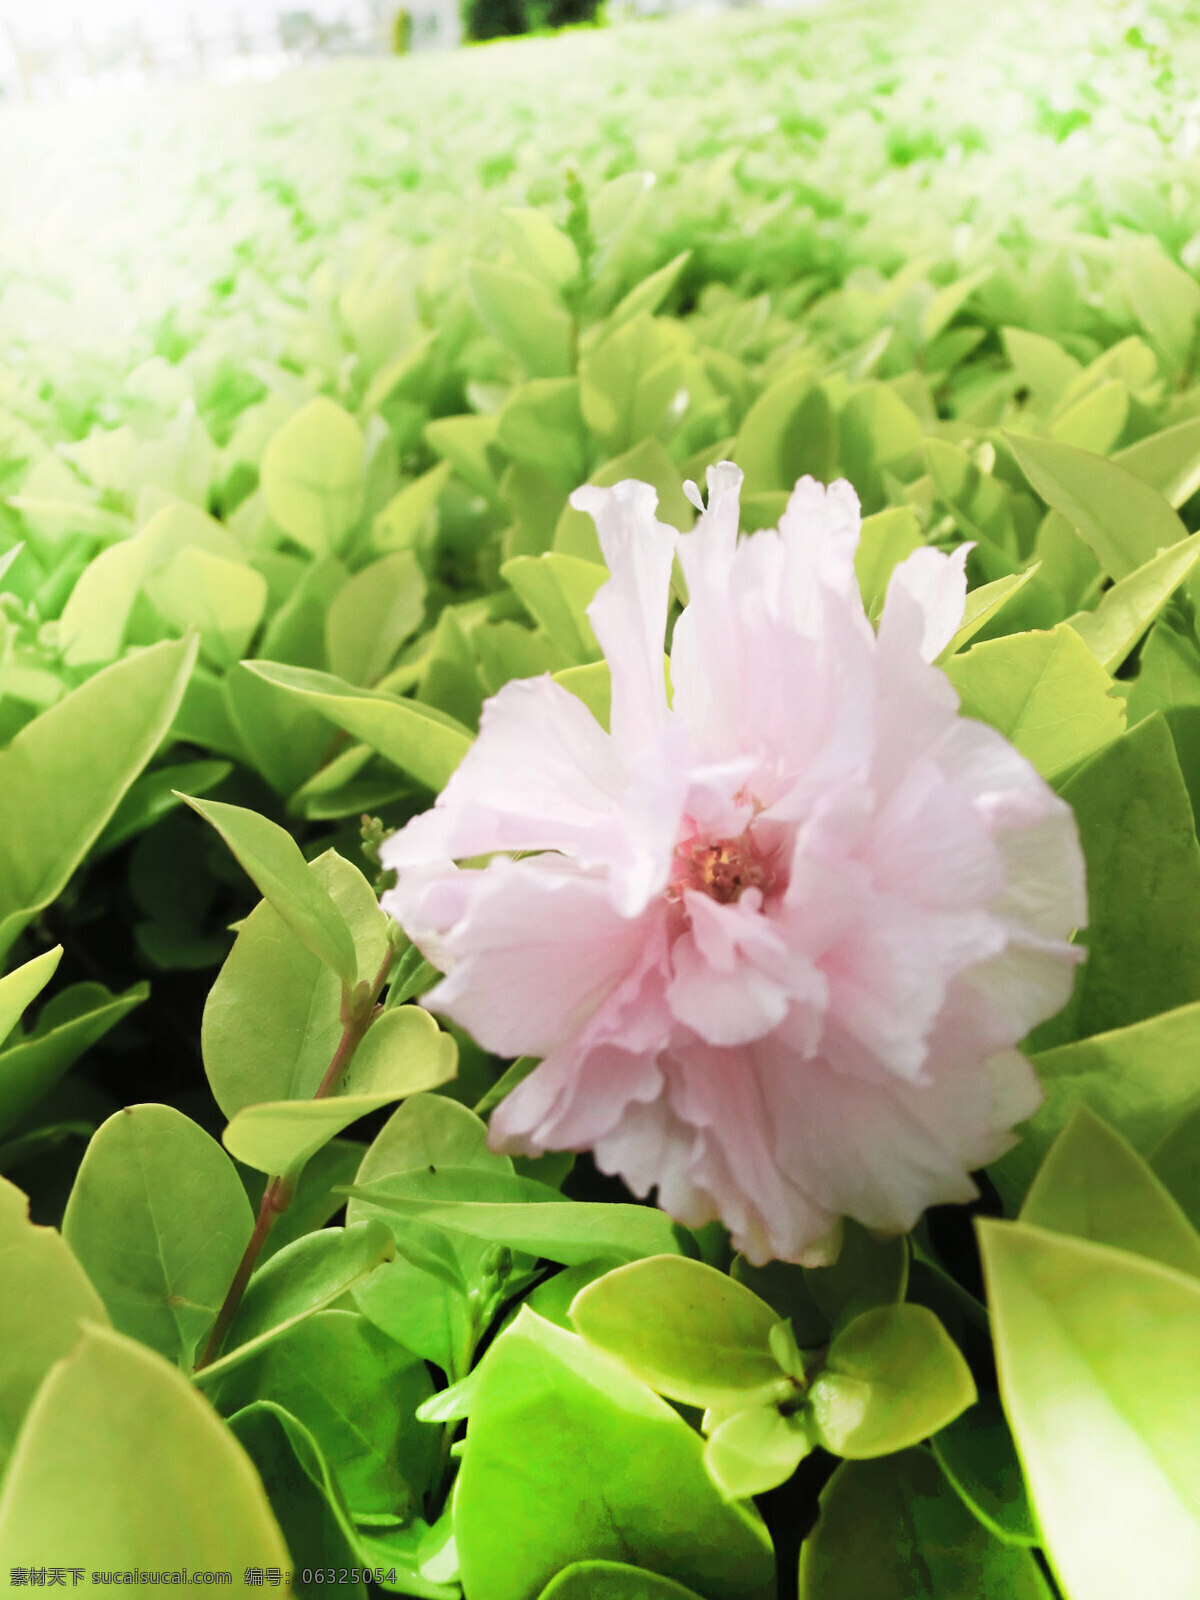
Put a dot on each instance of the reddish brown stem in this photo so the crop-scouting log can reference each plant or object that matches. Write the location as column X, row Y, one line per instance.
column 359, row 1010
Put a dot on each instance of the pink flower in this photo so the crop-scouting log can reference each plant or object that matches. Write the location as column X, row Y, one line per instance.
column 781, row 930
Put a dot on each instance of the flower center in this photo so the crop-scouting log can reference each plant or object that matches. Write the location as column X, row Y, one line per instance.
column 720, row 868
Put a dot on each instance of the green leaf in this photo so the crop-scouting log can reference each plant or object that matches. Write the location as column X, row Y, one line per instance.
column 552, row 1419
column 416, row 738
column 556, row 591
column 159, row 1219
column 978, row 1456
column 648, row 461
column 303, row 1493
column 63, row 776
column 1099, row 1364
column 67, row 1027
column 1176, row 1160
column 271, row 857
column 568, row 1231
column 591, row 684
column 317, row 1198
column 790, row 430
column 754, row 1450
column 46, row 1300
column 540, row 426
column 273, row 1018
column 463, row 443
column 281, row 1135
column 982, row 605
column 312, row 475
column 525, row 317
column 372, row 616
column 612, row 1580
column 887, row 539
column 541, row 248
column 424, row 1302
column 1139, row 1079
column 1046, row 692
column 302, row 1279
column 121, row 1464
column 1122, row 519
column 1127, row 609
column 894, row 1530
column 867, row 1273
column 1165, row 299
column 18, row 989
column 892, row 1377
column 399, row 524
column 1093, row 1185
column 690, row 1332
column 357, row 1392
column 1168, row 461
column 1143, row 873
column 1042, row 365
column 403, row 1052
column 222, row 599
column 156, row 795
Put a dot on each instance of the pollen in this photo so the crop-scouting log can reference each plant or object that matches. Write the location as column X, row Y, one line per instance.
column 723, row 868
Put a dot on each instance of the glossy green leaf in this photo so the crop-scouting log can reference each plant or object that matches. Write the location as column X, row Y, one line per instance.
column 1168, row 461
column 19, row 988
column 755, row 1450
column 1046, row 692
column 1127, row 609
column 982, row 605
column 1175, row 1158
column 790, row 430
column 271, row 857
column 1140, row 1079
column 302, row 1279
column 1165, row 299
column 356, row 1391
column 156, row 795
column 47, row 1298
column 120, row 1464
column 690, row 1332
column 67, row 1027
column 63, row 775
column 541, row 248
column 566, row 1231
column 1143, row 872
column 222, row 599
column 1099, row 1365
column 1123, row 520
column 399, row 524
column 312, row 475
column 552, row 1418
column 978, row 1456
column 159, row 1220
column 886, row 540
column 612, row 1580
column 556, row 591
column 892, row 1377
column 417, row 738
column 281, row 1135
column 867, row 1273
column 525, row 317
column 895, row 1530
column 422, row 1298
column 1092, row 1185
column 372, row 616
column 273, row 1020
column 303, row 1493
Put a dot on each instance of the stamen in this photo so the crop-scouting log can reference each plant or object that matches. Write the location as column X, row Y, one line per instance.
column 721, row 868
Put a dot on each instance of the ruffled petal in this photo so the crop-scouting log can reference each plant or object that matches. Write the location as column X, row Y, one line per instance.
column 541, row 775
column 529, row 948
column 629, row 613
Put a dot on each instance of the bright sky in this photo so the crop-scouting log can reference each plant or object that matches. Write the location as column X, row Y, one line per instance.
column 50, row 20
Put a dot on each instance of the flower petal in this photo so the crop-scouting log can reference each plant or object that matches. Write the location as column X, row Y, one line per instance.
column 629, row 613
